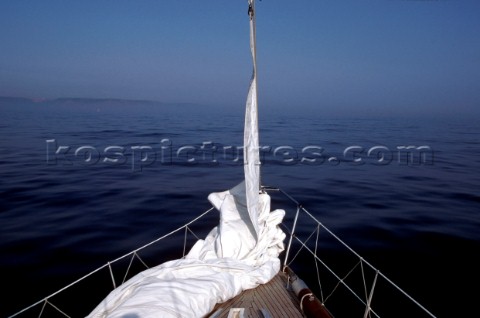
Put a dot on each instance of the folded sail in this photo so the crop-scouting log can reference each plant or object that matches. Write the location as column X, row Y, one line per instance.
column 228, row 261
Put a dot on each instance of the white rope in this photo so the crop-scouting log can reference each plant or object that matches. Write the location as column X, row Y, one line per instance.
column 303, row 245
column 43, row 307
column 316, row 258
column 58, row 309
column 141, row 260
column 193, row 233
column 185, row 241
column 354, row 253
column 300, row 249
column 128, row 268
column 369, row 301
column 285, row 264
column 45, row 299
column 371, row 266
column 364, row 282
column 363, row 278
column 303, row 297
column 316, row 265
column 340, row 280
column 111, row 275
column 130, row 265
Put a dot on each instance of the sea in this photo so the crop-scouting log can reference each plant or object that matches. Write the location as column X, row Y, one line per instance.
column 83, row 182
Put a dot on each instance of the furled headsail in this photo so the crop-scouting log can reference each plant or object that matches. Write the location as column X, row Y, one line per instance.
column 238, row 254
column 251, row 149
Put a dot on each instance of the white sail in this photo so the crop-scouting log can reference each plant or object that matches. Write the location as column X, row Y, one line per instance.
column 238, row 254
column 251, row 155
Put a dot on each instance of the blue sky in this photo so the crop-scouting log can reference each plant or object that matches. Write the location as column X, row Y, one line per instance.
column 336, row 56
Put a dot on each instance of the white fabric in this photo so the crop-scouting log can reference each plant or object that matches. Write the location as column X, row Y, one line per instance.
column 216, row 269
column 240, row 253
column 251, row 157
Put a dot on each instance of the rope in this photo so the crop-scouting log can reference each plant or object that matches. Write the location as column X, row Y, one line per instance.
column 128, row 268
column 141, row 260
column 45, row 299
column 43, row 308
column 185, row 241
column 300, row 249
column 303, row 246
column 291, row 237
column 58, row 309
column 130, row 265
column 354, row 253
column 111, row 275
column 340, row 281
column 367, row 263
column 303, row 297
column 193, row 233
column 316, row 265
column 369, row 301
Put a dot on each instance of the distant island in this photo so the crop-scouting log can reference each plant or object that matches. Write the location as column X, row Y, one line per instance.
column 73, row 101
column 87, row 103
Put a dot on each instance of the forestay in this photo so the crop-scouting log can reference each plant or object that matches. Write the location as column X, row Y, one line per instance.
column 251, row 155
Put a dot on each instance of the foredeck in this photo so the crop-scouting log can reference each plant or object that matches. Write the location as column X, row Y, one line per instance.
column 274, row 298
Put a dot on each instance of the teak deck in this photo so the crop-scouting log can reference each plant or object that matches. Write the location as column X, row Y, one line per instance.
column 273, row 296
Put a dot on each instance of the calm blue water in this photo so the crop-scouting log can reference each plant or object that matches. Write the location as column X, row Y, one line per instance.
column 63, row 214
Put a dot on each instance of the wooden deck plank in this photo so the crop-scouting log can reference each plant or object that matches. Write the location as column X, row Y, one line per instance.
column 272, row 296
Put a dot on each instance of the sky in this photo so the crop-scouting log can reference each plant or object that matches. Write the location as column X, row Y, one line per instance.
column 332, row 56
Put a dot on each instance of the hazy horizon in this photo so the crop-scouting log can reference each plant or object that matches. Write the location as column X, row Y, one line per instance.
column 389, row 58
